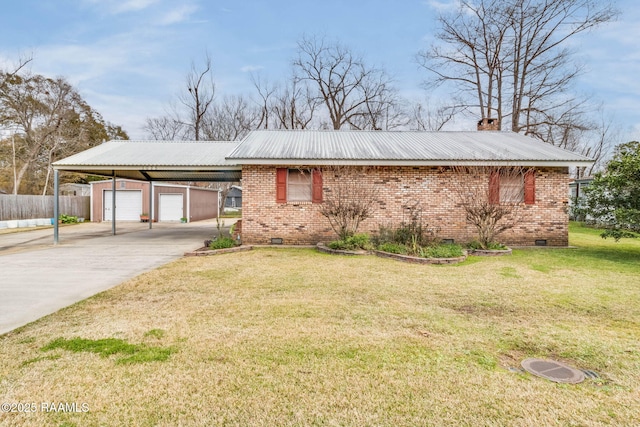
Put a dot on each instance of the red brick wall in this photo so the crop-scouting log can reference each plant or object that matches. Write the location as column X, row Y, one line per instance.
column 398, row 187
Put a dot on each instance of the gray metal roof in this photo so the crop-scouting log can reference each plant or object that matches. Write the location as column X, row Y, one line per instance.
column 157, row 160
column 399, row 148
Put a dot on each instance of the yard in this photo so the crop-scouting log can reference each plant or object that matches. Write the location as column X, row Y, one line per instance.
column 276, row 337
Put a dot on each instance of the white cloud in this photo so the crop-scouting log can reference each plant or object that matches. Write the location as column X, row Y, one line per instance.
column 122, row 6
column 251, row 68
column 133, row 5
column 443, row 6
column 178, row 15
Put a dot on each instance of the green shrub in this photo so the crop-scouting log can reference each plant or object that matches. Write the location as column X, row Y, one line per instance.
column 495, row 246
column 222, row 243
column 442, row 251
column 412, row 234
column 360, row 240
column 394, row 248
column 339, row 245
column 355, row 242
column 68, row 219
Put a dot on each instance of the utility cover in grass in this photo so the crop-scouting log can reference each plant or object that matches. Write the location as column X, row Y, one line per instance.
column 553, row 371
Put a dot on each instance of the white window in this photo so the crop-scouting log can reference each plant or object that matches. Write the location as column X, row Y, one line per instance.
column 512, row 188
column 299, row 185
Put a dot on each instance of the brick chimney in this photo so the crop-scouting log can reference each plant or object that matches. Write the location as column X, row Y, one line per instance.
column 489, row 124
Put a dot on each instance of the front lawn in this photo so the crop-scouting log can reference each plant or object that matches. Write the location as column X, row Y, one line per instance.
column 277, row 337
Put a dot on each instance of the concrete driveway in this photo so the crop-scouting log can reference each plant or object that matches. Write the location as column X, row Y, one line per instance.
column 38, row 278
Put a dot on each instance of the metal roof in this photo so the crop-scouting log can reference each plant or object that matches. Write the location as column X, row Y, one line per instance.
column 311, row 147
column 157, row 160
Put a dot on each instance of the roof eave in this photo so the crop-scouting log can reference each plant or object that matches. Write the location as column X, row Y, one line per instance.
column 360, row 162
column 80, row 168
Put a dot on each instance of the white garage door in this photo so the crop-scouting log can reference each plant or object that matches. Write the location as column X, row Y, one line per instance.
column 170, row 207
column 128, row 205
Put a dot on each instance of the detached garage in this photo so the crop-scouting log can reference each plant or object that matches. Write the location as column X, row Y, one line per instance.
column 170, row 202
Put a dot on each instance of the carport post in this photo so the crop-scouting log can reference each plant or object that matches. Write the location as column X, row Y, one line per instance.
column 113, row 203
column 150, row 204
column 56, row 205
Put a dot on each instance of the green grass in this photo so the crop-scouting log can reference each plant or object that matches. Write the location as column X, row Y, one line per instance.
column 293, row 337
column 134, row 353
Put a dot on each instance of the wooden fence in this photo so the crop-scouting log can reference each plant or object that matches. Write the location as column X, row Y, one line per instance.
column 32, row 207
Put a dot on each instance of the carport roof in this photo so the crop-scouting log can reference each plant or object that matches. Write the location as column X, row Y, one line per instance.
column 157, row 161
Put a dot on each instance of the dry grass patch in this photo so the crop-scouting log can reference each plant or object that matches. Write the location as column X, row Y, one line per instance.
column 296, row 337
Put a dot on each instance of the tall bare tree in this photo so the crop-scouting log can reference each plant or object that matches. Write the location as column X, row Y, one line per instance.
column 353, row 94
column 199, row 97
column 509, row 58
column 289, row 105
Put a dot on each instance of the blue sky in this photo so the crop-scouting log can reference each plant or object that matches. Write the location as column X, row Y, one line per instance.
column 129, row 58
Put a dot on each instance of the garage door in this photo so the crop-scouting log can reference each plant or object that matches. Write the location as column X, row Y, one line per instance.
column 128, row 205
column 170, row 207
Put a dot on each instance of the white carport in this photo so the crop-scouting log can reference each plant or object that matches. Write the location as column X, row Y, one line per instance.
column 150, row 161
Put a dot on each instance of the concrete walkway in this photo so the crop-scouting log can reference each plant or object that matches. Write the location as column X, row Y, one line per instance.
column 38, row 278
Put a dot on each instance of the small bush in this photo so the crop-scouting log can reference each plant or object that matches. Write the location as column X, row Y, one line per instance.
column 68, row 219
column 222, row 243
column 360, row 240
column 442, row 251
column 351, row 243
column 394, row 248
column 339, row 245
column 494, row 246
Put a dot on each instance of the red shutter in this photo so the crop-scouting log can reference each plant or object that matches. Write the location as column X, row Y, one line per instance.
column 316, row 191
column 281, row 185
column 530, row 187
column 494, row 188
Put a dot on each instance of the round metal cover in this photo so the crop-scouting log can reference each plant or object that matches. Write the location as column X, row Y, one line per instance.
column 553, row 371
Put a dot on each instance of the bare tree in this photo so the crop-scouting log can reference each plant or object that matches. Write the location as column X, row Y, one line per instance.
column 346, row 202
column 201, row 91
column 230, row 120
column 425, row 118
column 294, row 107
column 289, row 105
column 7, row 76
column 490, row 197
column 352, row 93
column 265, row 93
column 165, row 128
column 509, row 57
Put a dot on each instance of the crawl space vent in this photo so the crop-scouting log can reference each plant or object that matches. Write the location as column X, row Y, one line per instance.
column 553, row 371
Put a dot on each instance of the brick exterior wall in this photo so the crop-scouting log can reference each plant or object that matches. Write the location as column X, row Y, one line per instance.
column 399, row 187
